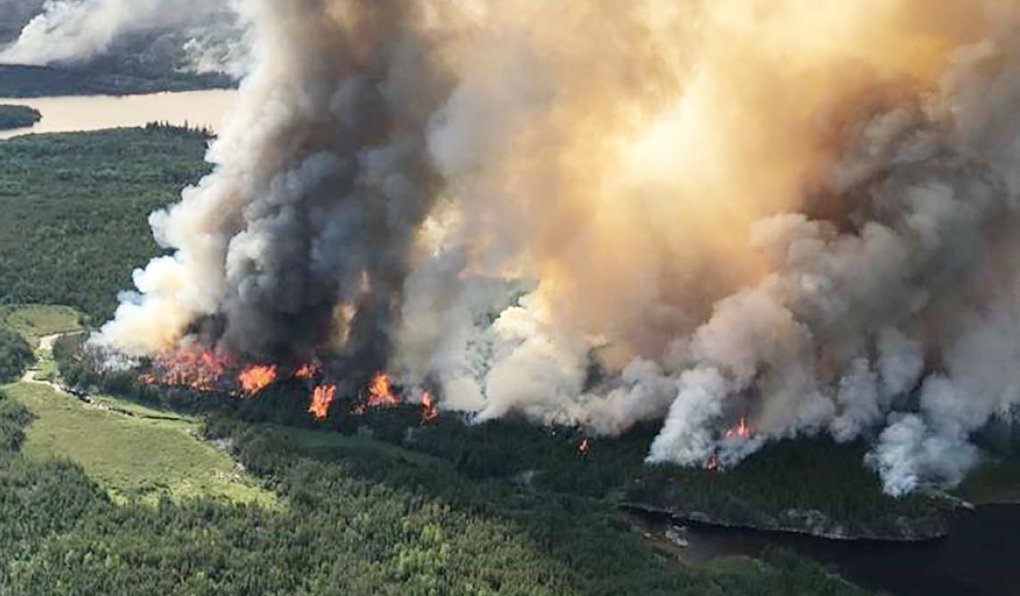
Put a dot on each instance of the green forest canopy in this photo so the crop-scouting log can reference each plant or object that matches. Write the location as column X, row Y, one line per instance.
column 74, row 209
column 14, row 116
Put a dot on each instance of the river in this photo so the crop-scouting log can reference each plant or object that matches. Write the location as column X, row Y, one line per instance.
column 980, row 556
column 94, row 112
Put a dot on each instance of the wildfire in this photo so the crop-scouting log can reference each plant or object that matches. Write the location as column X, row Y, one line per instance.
column 584, row 446
column 198, row 369
column 380, row 395
column 713, row 463
column 256, row 378
column 742, row 430
column 306, row 371
column 380, row 392
column 429, row 409
column 208, row 370
column 322, row 399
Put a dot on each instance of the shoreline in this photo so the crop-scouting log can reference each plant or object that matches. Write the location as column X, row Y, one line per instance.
column 696, row 518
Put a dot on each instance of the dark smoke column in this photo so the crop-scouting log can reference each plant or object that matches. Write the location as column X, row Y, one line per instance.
column 301, row 235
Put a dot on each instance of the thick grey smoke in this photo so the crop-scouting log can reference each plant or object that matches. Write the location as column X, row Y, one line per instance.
column 70, row 31
column 600, row 215
column 321, row 183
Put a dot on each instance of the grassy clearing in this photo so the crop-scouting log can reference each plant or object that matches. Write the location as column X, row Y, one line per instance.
column 134, row 457
column 34, row 322
column 142, row 411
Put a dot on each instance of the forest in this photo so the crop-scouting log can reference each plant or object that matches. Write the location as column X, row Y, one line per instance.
column 107, row 76
column 375, row 504
column 356, row 519
column 15, row 116
column 74, row 211
column 15, row 355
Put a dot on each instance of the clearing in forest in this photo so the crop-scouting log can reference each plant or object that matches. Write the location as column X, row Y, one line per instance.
column 134, row 456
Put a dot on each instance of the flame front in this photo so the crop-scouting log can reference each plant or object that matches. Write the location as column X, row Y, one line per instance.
column 189, row 367
column 254, row 379
column 322, row 399
column 208, row 370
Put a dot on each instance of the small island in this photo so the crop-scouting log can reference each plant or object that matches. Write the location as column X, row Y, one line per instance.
column 14, row 116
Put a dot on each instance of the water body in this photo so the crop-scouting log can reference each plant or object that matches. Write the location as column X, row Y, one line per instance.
column 95, row 112
column 980, row 556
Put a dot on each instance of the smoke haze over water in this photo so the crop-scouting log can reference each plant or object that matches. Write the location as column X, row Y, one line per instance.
column 803, row 215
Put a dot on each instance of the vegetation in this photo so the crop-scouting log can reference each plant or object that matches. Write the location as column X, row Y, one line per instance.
column 810, row 486
column 34, row 322
column 74, row 208
column 120, row 497
column 806, row 485
column 138, row 454
column 995, row 481
column 15, row 355
column 106, row 77
column 12, row 116
column 359, row 518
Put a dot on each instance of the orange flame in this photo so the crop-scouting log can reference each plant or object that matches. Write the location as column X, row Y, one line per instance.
column 429, row 409
column 380, row 395
column 256, row 378
column 584, row 446
column 207, row 370
column 306, row 371
column 188, row 367
column 322, row 399
column 380, row 392
column 713, row 463
column 742, row 430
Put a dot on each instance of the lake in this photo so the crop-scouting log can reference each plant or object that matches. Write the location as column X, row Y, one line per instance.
column 95, row 112
column 981, row 554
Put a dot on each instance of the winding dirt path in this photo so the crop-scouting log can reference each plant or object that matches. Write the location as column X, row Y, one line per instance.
column 45, row 347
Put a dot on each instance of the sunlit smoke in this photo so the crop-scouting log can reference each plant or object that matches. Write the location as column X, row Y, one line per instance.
column 780, row 218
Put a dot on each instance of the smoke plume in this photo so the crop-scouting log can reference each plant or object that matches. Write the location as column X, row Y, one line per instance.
column 693, row 211
column 71, row 31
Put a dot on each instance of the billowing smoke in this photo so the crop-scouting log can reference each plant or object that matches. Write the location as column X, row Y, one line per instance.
column 603, row 214
column 301, row 238
column 71, row 31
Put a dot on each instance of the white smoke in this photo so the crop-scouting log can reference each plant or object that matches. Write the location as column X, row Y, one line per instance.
column 68, row 31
